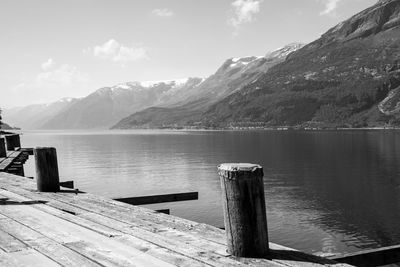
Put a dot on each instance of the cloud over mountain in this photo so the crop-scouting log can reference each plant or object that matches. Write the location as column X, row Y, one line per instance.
column 114, row 51
column 330, row 7
column 244, row 11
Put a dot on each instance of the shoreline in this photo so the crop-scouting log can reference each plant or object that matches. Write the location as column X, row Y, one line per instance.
column 242, row 129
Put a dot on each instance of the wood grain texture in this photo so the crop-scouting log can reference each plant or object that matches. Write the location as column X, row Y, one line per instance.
column 47, row 177
column 244, row 209
column 86, row 230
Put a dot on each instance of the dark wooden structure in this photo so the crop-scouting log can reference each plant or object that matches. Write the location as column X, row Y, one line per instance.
column 3, row 150
column 70, row 229
column 13, row 163
column 13, row 141
column 47, row 177
column 144, row 200
column 244, row 209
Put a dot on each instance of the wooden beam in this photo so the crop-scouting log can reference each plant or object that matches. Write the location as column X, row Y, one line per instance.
column 27, row 150
column 373, row 257
column 165, row 211
column 144, row 200
column 67, row 184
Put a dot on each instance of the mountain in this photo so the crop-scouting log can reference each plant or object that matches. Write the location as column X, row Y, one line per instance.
column 107, row 105
column 230, row 77
column 34, row 116
column 349, row 77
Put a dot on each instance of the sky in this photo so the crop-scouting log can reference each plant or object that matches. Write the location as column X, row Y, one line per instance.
column 52, row 49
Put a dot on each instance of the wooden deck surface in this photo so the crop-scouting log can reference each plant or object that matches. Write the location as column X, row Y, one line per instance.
column 69, row 229
column 6, row 162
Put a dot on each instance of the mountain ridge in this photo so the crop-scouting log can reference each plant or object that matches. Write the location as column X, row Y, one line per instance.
column 228, row 78
column 346, row 78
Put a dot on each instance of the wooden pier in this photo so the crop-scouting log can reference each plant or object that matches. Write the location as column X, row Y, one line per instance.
column 80, row 229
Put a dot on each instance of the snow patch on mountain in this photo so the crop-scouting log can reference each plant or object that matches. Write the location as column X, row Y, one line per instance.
column 243, row 61
column 176, row 83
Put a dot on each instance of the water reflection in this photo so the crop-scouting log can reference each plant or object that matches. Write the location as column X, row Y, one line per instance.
column 326, row 191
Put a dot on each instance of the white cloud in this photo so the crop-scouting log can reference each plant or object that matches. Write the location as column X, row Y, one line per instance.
column 114, row 51
column 48, row 64
column 244, row 11
column 63, row 75
column 330, row 7
column 164, row 12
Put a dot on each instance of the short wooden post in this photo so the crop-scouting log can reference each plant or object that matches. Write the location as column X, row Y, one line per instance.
column 13, row 141
column 244, row 209
column 47, row 178
column 3, row 152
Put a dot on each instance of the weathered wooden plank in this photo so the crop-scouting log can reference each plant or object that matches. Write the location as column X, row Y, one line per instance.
column 69, row 233
column 372, row 257
column 61, row 213
column 154, row 199
column 165, row 231
column 110, row 258
column 56, row 251
column 207, row 256
column 74, row 205
column 172, row 239
column 205, row 231
column 154, row 250
column 26, row 258
column 119, row 253
column 8, row 243
column 8, row 261
column 147, row 225
column 7, row 162
column 135, row 220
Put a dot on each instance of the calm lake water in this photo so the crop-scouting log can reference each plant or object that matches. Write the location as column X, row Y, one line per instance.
column 326, row 192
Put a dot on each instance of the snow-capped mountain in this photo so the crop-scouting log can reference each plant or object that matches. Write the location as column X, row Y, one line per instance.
column 107, row 105
column 34, row 116
column 233, row 75
column 183, row 97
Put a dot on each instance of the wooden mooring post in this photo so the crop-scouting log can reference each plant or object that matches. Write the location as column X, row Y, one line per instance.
column 244, row 209
column 3, row 151
column 13, row 141
column 47, row 177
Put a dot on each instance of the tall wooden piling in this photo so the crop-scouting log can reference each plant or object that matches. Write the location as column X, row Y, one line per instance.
column 47, row 177
column 244, row 209
column 13, row 141
column 3, row 152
